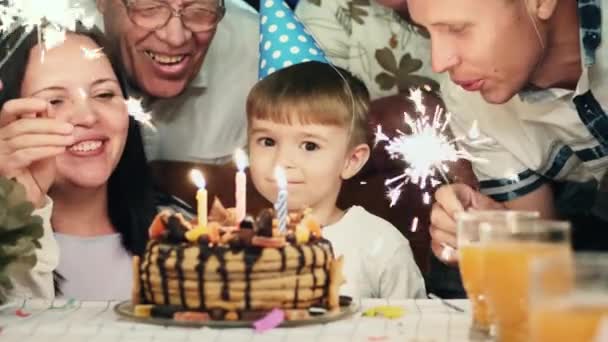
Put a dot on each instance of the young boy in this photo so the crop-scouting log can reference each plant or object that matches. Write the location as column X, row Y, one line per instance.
column 311, row 119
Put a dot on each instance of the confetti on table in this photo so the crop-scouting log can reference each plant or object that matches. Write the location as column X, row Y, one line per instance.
column 69, row 304
column 21, row 313
column 386, row 311
column 270, row 321
column 377, row 338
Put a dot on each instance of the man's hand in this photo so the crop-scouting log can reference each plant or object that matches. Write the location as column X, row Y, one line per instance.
column 450, row 200
column 30, row 138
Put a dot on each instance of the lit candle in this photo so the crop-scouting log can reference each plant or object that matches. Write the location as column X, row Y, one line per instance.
column 281, row 204
column 201, row 197
column 241, row 185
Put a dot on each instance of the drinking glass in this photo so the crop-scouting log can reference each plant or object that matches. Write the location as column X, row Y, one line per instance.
column 569, row 310
column 471, row 257
column 509, row 252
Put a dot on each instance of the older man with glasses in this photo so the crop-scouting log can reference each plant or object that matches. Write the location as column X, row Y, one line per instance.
column 193, row 63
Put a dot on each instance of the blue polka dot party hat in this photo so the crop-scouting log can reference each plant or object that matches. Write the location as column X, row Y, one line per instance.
column 284, row 41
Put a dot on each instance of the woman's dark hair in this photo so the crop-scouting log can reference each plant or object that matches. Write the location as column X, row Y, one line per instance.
column 130, row 195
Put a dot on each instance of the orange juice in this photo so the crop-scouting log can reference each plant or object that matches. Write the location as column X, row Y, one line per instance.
column 471, row 257
column 506, row 271
column 570, row 322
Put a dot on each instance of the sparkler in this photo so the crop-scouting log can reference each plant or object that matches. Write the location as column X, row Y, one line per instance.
column 136, row 110
column 52, row 21
column 92, row 53
column 427, row 151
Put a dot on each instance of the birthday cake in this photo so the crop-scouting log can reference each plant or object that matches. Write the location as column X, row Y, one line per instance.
column 232, row 270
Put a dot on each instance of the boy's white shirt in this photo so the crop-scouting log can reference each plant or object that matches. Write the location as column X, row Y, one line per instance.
column 38, row 281
column 378, row 260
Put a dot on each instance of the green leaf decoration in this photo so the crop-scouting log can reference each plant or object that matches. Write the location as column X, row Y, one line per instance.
column 356, row 12
column 386, row 81
column 19, row 233
column 315, row 2
column 387, row 60
column 409, row 65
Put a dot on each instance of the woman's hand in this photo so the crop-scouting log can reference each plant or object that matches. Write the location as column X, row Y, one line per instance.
column 30, row 138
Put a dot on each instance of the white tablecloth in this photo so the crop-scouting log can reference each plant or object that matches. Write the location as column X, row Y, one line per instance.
column 65, row 321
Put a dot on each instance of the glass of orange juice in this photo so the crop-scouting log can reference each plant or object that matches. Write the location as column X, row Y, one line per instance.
column 570, row 310
column 509, row 251
column 471, row 256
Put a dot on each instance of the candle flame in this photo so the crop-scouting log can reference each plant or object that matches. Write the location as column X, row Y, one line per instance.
column 197, row 178
column 241, row 160
column 281, row 178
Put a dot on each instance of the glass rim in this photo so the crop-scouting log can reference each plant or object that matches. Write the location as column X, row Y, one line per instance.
column 531, row 226
column 496, row 215
column 553, row 225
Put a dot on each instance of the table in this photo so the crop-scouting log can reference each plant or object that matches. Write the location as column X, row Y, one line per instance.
column 68, row 320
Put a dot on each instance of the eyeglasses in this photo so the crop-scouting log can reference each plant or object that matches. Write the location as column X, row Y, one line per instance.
column 197, row 16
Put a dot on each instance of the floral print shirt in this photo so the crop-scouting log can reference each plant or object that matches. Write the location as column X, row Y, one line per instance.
column 373, row 42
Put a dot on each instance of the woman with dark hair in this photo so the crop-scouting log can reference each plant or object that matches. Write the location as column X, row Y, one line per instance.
column 65, row 131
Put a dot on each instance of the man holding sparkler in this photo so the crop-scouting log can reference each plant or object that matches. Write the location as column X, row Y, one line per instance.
column 531, row 75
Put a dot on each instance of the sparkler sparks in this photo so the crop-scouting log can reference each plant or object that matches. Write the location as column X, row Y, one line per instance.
column 414, row 227
column 448, row 252
column 51, row 20
column 137, row 111
column 92, row 53
column 427, row 150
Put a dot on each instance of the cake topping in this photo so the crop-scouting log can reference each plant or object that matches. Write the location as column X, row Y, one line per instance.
column 223, row 230
column 247, row 223
column 264, row 223
column 222, row 215
column 176, row 229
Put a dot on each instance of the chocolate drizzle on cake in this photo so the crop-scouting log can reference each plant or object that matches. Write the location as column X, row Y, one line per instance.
column 148, row 262
column 301, row 263
column 228, row 261
column 301, row 259
column 203, row 256
column 163, row 255
column 179, row 265
column 251, row 256
column 324, row 268
column 312, row 268
column 283, row 259
column 223, row 273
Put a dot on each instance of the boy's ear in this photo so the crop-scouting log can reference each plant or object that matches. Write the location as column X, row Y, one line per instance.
column 542, row 9
column 356, row 158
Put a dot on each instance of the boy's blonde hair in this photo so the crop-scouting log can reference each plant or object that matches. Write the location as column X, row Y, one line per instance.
column 313, row 93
